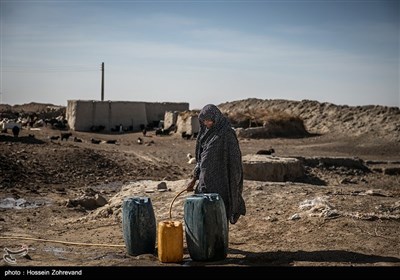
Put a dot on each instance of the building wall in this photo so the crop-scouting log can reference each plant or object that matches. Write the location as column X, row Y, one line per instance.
column 170, row 118
column 70, row 113
column 195, row 125
column 156, row 111
column 188, row 124
column 82, row 115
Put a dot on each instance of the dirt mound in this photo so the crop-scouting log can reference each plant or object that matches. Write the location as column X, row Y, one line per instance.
column 322, row 118
column 24, row 164
column 42, row 110
column 32, row 107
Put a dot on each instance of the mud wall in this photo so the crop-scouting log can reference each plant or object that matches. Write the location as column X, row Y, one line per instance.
column 82, row 115
column 156, row 111
column 188, row 124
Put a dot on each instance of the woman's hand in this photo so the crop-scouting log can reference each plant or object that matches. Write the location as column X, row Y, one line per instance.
column 190, row 186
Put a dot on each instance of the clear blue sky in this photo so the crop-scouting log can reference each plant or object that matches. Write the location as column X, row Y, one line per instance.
column 342, row 52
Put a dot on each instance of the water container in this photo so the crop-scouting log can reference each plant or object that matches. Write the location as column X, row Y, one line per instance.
column 170, row 241
column 139, row 225
column 206, row 227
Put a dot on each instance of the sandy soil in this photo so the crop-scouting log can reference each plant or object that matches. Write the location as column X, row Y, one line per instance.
column 335, row 216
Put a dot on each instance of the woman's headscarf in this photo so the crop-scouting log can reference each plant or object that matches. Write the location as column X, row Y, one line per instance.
column 210, row 112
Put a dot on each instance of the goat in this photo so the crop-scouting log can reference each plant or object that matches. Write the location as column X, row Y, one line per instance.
column 111, row 141
column 192, row 160
column 167, row 131
column 140, row 141
column 161, row 131
column 186, row 136
column 95, row 141
column 266, row 152
column 65, row 135
column 76, row 139
column 54, row 138
column 15, row 130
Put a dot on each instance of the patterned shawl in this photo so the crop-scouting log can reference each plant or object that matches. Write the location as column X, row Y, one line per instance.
column 219, row 162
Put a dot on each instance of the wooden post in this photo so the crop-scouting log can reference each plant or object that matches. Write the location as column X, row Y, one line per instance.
column 102, row 81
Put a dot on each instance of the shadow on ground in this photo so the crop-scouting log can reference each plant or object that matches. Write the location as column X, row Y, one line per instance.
column 284, row 258
column 22, row 139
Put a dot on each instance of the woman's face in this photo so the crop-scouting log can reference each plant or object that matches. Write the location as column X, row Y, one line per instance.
column 208, row 123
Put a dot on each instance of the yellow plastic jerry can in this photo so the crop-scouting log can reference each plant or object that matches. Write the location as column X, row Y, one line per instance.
column 170, row 241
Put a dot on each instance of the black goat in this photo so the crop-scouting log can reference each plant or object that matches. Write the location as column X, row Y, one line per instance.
column 186, row 136
column 266, row 152
column 15, row 130
column 65, row 135
column 95, row 141
column 167, row 131
column 111, row 141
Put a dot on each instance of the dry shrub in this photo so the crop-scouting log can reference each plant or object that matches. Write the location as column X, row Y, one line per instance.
column 255, row 118
column 275, row 123
column 247, row 118
column 280, row 118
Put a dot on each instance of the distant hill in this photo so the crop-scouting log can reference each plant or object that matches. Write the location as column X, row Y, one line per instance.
column 32, row 107
column 321, row 118
column 42, row 110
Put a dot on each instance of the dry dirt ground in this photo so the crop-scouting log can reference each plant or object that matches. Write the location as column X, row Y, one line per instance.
column 334, row 216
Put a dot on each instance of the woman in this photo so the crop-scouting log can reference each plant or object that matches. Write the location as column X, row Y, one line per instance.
column 219, row 162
